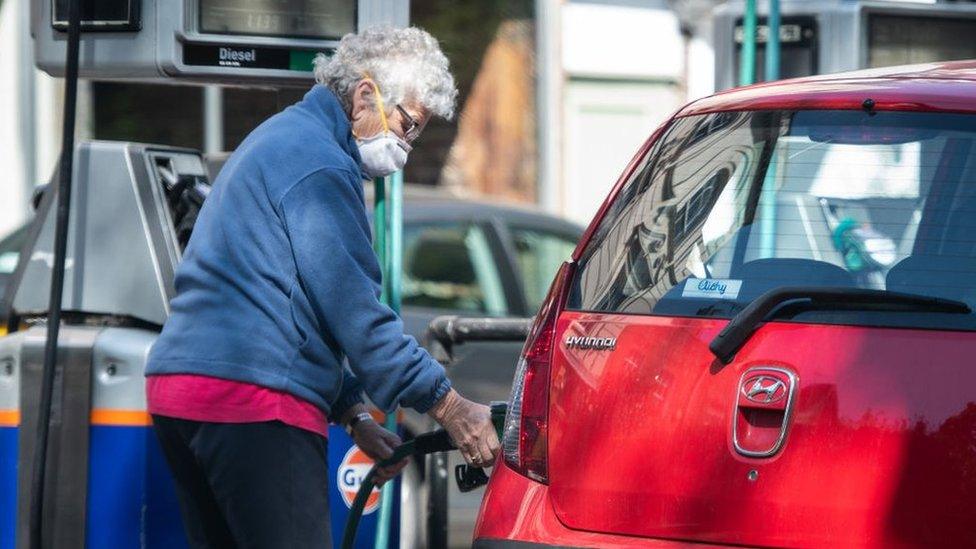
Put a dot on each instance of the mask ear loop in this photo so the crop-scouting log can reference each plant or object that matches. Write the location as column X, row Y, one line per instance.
column 379, row 102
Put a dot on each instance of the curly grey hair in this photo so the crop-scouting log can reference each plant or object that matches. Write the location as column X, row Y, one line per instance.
column 406, row 64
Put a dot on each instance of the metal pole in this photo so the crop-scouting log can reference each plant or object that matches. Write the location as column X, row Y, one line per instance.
column 767, row 231
column 747, row 63
column 213, row 119
column 772, row 42
column 27, row 105
column 396, row 242
column 549, row 80
column 379, row 229
column 392, row 262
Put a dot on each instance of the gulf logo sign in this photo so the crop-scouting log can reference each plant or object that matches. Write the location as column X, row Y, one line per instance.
column 352, row 470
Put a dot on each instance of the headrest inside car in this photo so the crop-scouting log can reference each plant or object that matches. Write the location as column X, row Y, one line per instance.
column 436, row 259
column 949, row 277
column 761, row 275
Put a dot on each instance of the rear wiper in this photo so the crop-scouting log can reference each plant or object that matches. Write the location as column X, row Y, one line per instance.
column 744, row 324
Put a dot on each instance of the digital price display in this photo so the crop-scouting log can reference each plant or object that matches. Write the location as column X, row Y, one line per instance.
column 320, row 19
column 231, row 42
column 902, row 40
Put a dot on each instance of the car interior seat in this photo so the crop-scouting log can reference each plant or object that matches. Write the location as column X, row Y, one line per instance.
column 761, row 275
column 439, row 274
column 945, row 276
column 943, row 262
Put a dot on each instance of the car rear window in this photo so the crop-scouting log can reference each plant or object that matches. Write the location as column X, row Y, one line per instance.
column 727, row 206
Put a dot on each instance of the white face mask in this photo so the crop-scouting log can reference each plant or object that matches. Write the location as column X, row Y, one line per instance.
column 383, row 154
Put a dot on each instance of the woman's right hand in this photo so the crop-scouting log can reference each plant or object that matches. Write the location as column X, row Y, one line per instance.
column 470, row 427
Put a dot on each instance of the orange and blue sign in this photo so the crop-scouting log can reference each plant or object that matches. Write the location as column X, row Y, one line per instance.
column 131, row 498
column 347, row 467
column 9, row 420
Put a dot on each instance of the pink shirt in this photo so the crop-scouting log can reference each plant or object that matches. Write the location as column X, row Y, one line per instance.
column 215, row 400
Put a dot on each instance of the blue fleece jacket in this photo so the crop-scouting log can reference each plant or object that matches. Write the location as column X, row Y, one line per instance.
column 279, row 282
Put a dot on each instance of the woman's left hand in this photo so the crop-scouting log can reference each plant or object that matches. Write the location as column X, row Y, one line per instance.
column 378, row 444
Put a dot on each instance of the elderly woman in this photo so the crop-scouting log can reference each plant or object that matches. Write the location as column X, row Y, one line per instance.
column 279, row 287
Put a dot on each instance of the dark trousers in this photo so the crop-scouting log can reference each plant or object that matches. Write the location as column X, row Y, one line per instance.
column 261, row 485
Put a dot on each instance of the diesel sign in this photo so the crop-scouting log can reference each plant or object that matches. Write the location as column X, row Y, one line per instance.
column 234, row 58
column 227, row 55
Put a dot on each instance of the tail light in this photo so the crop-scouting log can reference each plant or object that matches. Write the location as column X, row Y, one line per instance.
column 524, row 441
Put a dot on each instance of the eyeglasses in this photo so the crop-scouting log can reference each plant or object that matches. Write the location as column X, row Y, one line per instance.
column 414, row 129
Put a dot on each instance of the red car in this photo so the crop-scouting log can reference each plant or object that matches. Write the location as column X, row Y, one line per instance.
column 766, row 336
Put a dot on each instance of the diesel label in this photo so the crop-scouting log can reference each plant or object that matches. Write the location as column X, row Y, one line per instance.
column 234, row 58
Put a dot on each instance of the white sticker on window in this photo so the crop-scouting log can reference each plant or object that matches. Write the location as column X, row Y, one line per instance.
column 711, row 288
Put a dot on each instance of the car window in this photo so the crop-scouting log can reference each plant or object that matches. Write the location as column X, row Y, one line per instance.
column 730, row 205
column 10, row 250
column 539, row 254
column 451, row 267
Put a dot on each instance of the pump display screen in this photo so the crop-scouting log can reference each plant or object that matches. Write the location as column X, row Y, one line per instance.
column 284, row 18
column 902, row 39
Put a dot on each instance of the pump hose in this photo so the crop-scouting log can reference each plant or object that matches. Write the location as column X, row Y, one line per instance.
column 36, row 526
column 427, row 443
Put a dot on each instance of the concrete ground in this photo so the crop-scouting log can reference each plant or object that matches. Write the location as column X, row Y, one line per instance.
column 463, row 510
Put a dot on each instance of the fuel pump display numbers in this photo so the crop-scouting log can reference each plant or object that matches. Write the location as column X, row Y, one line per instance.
column 325, row 19
column 231, row 42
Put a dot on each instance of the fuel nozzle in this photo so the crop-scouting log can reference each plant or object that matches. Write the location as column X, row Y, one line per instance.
column 469, row 478
column 499, row 409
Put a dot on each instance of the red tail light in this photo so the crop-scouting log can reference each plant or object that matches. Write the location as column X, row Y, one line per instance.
column 524, row 442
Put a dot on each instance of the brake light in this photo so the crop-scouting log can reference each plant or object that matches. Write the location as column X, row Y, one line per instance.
column 524, row 441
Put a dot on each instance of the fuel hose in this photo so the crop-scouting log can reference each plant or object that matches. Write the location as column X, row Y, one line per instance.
column 427, row 443
column 36, row 528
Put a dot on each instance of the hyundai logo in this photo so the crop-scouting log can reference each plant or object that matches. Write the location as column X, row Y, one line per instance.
column 764, row 389
column 598, row 343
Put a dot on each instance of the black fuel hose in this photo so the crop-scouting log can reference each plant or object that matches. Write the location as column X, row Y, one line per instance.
column 36, row 529
column 427, row 443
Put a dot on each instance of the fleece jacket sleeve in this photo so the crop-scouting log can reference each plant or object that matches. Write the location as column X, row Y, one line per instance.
column 325, row 218
column 350, row 394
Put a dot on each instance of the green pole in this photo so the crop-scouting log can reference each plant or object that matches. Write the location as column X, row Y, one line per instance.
column 380, row 232
column 767, row 232
column 772, row 42
column 747, row 63
column 396, row 240
column 380, row 229
column 392, row 260
column 767, row 208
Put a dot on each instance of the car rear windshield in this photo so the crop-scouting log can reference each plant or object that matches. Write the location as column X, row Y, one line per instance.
column 727, row 206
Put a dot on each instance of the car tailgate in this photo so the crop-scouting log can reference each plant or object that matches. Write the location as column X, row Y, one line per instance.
column 879, row 446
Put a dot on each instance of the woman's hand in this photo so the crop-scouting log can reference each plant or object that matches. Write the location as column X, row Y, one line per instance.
column 378, row 444
column 470, row 427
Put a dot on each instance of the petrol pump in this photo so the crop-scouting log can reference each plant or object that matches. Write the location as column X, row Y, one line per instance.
column 827, row 36
column 131, row 212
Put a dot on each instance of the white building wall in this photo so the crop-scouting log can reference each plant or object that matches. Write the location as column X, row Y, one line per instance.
column 701, row 66
column 30, row 117
column 624, row 74
column 621, row 41
column 13, row 152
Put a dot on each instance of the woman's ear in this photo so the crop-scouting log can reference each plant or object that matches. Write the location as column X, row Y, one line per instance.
column 362, row 100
